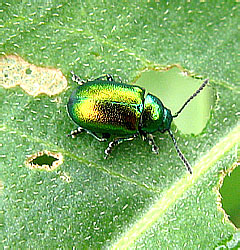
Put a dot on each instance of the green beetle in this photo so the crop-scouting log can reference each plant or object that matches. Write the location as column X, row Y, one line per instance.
column 103, row 107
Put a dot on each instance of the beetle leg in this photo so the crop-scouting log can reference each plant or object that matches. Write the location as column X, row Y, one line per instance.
column 144, row 136
column 107, row 76
column 80, row 130
column 75, row 132
column 152, row 143
column 115, row 142
column 77, row 79
column 104, row 138
column 106, row 135
column 149, row 138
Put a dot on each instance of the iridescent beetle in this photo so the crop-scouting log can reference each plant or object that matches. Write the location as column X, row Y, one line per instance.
column 103, row 107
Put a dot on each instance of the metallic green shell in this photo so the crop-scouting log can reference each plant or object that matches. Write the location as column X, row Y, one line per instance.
column 155, row 116
column 107, row 107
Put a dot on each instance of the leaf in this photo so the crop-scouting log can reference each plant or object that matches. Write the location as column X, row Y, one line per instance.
column 135, row 198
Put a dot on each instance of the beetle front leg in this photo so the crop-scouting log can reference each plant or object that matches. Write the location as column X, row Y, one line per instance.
column 115, row 142
column 152, row 143
column 149, row 138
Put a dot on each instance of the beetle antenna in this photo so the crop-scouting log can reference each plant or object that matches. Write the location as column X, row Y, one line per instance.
column 180, row 154
column 191, row 97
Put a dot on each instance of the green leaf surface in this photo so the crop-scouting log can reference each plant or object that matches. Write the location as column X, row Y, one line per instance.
column 135, row 198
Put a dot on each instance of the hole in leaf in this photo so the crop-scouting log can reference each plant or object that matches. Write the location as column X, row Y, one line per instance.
column 44, row 160
column 32, row 79
column 230, row 193
column 173, row 87
column 28, row 71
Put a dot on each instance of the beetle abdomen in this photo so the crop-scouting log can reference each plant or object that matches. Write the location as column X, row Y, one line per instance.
column 107, row 107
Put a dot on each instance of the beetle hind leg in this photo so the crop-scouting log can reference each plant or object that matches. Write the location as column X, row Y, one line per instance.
column 80, row 130
column 75, row 132
column 77, row 79
column 103, row 138
column 115, row 142
column 107, row 76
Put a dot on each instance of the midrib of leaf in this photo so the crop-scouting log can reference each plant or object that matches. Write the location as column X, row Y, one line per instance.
column 157, row 210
